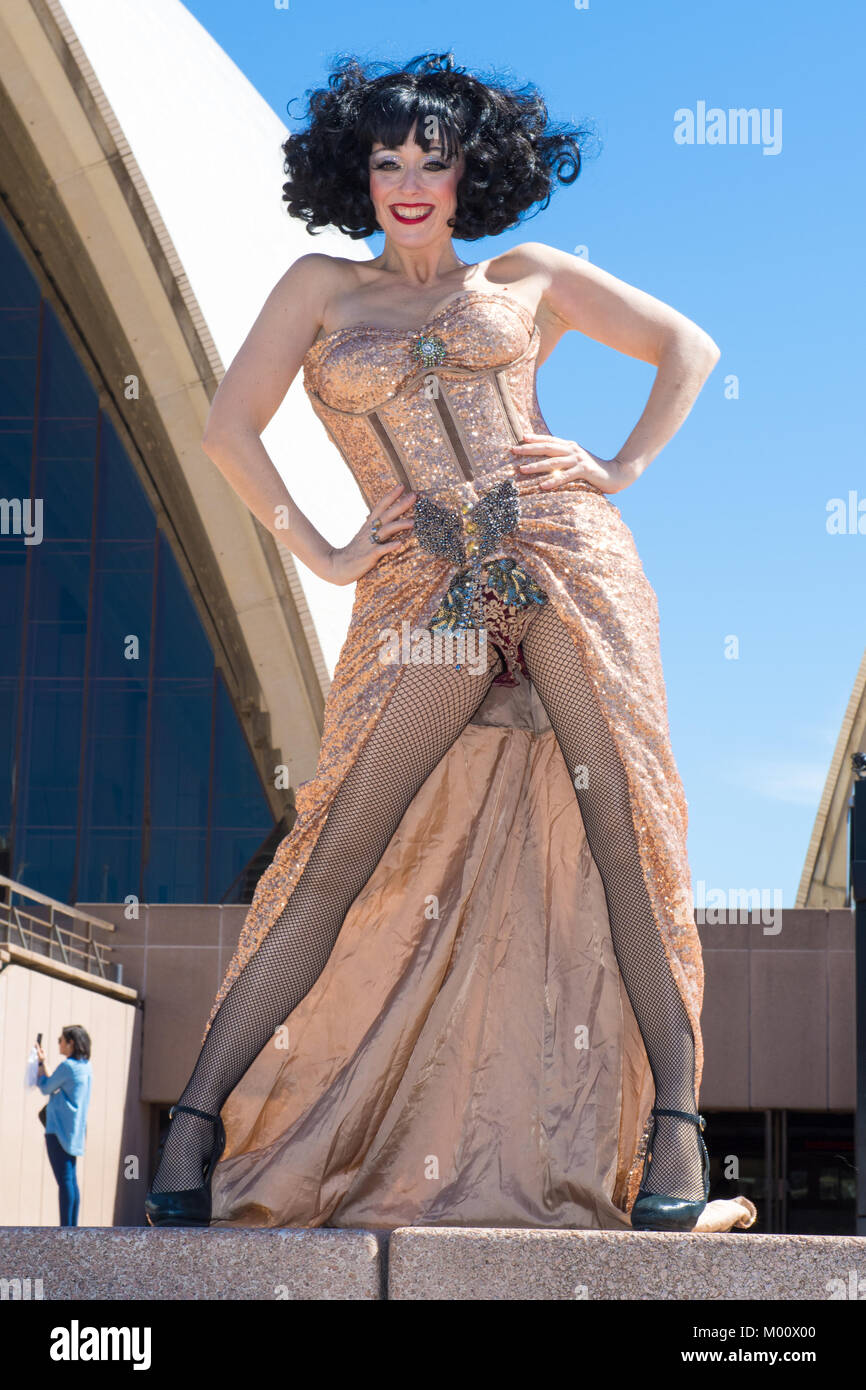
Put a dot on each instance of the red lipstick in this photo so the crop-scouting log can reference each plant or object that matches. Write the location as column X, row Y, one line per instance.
column 411, row 221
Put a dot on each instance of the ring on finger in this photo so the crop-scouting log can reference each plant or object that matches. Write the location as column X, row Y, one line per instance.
column 374, row 530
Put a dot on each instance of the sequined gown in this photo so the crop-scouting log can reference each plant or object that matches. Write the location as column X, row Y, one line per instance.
column 432, row 1074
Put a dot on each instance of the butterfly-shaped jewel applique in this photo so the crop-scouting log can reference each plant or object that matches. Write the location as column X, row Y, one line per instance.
column 440, row 530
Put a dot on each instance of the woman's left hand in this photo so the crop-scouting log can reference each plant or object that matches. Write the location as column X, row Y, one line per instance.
column 40, row 1053
column 566, row 461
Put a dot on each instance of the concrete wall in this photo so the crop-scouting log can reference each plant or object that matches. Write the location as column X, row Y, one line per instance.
column 175, row 956
column 778, row 1017
column 31, row 1002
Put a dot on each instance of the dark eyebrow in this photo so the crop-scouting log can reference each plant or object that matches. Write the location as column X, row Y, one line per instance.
column 436, row 145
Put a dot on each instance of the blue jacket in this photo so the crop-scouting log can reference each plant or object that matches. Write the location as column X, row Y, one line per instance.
column 68, row 1087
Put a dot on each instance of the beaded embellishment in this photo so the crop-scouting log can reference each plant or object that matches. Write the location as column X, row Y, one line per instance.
column 494, row 515
column 429, row 349
column 439, row 532
column 504, row 577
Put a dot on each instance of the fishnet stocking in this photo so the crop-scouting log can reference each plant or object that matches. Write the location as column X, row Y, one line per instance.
column 557, row 673
column 427, row 711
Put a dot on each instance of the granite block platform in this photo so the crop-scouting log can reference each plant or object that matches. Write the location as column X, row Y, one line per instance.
column 424, row 1263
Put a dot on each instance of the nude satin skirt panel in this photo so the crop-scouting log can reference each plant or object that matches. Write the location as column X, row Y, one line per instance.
column 466, row 1035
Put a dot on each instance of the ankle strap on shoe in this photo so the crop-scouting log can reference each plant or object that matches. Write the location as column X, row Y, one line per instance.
column 191, row 1110
column 683, row 1115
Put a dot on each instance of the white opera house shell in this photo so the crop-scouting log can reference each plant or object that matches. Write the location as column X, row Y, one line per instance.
column 142, row 177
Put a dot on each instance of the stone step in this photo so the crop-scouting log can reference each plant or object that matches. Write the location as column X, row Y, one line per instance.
column 472, row 1263
column 140, row 1262
column 424, row 1263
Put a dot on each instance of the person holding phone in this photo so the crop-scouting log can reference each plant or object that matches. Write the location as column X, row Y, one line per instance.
column 68, row 1090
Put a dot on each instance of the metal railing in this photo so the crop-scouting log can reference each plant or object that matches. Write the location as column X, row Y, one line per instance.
column 37, row 925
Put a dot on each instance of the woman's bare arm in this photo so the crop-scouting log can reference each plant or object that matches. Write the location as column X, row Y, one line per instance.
column 249, row 395
column 247, row 399
column 581, row 296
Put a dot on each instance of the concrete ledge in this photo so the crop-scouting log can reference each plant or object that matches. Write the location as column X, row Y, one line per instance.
column 469, row 1263
column 135, row 1262
column 423, row 1263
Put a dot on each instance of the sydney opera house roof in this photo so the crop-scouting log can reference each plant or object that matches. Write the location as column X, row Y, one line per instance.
column 144, row 225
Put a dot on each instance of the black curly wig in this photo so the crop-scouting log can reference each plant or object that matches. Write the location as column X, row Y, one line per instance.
column 513, row 151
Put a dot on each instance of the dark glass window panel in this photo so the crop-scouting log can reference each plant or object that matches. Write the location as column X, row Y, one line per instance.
column 6, row 851
column 230, row 854
column 19, row 349
column 810, row 1188
column 182, row 649
column 239, row 799
column 65, row 390
column 116, row 598
column 116, row 735
column 740, row 1136
column 59, row 583
column 821, row 1178
column 122, row 509
column 175, row 870
column 50, row 756
column 122, row 608
column 13, row 559
column 19, row 346
column 16, row 467
column 45, row 860
column 180, row 759
column 67, row 436
column 19, row 335
column 111, row 866
column 65, row 482
column 8, row 729
column 240, row 814
column 64, row 441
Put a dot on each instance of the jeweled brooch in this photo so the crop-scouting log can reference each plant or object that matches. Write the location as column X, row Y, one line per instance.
column 429, row 350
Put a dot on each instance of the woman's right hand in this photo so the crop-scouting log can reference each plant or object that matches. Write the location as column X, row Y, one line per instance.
column 350, row 561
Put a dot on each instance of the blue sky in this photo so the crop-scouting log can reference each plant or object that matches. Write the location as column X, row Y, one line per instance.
column 762, row 250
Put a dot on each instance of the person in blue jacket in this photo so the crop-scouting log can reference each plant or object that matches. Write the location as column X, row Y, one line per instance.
column 68, row 1090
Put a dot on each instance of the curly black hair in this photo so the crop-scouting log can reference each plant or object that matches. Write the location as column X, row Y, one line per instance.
column 513, row 151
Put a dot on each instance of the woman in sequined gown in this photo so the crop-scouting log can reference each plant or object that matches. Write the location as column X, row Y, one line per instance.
column 472, row 967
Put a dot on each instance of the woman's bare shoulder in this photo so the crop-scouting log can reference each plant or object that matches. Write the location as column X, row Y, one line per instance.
column 516, row 257
column 538, row 258
column 317, row 278
column 533, row 266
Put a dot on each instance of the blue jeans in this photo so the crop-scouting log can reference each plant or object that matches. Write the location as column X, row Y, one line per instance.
column 63, row 1165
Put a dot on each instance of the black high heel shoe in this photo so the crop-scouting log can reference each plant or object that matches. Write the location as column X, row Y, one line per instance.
column 191, row 1207
column 655, row 1212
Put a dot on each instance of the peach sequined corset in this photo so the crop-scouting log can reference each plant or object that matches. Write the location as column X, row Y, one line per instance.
column 437, row 409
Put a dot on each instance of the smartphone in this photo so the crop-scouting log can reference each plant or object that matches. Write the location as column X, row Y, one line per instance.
column 38, row 1039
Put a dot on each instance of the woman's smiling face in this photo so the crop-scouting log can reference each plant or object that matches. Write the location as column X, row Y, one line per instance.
column 414, row 191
